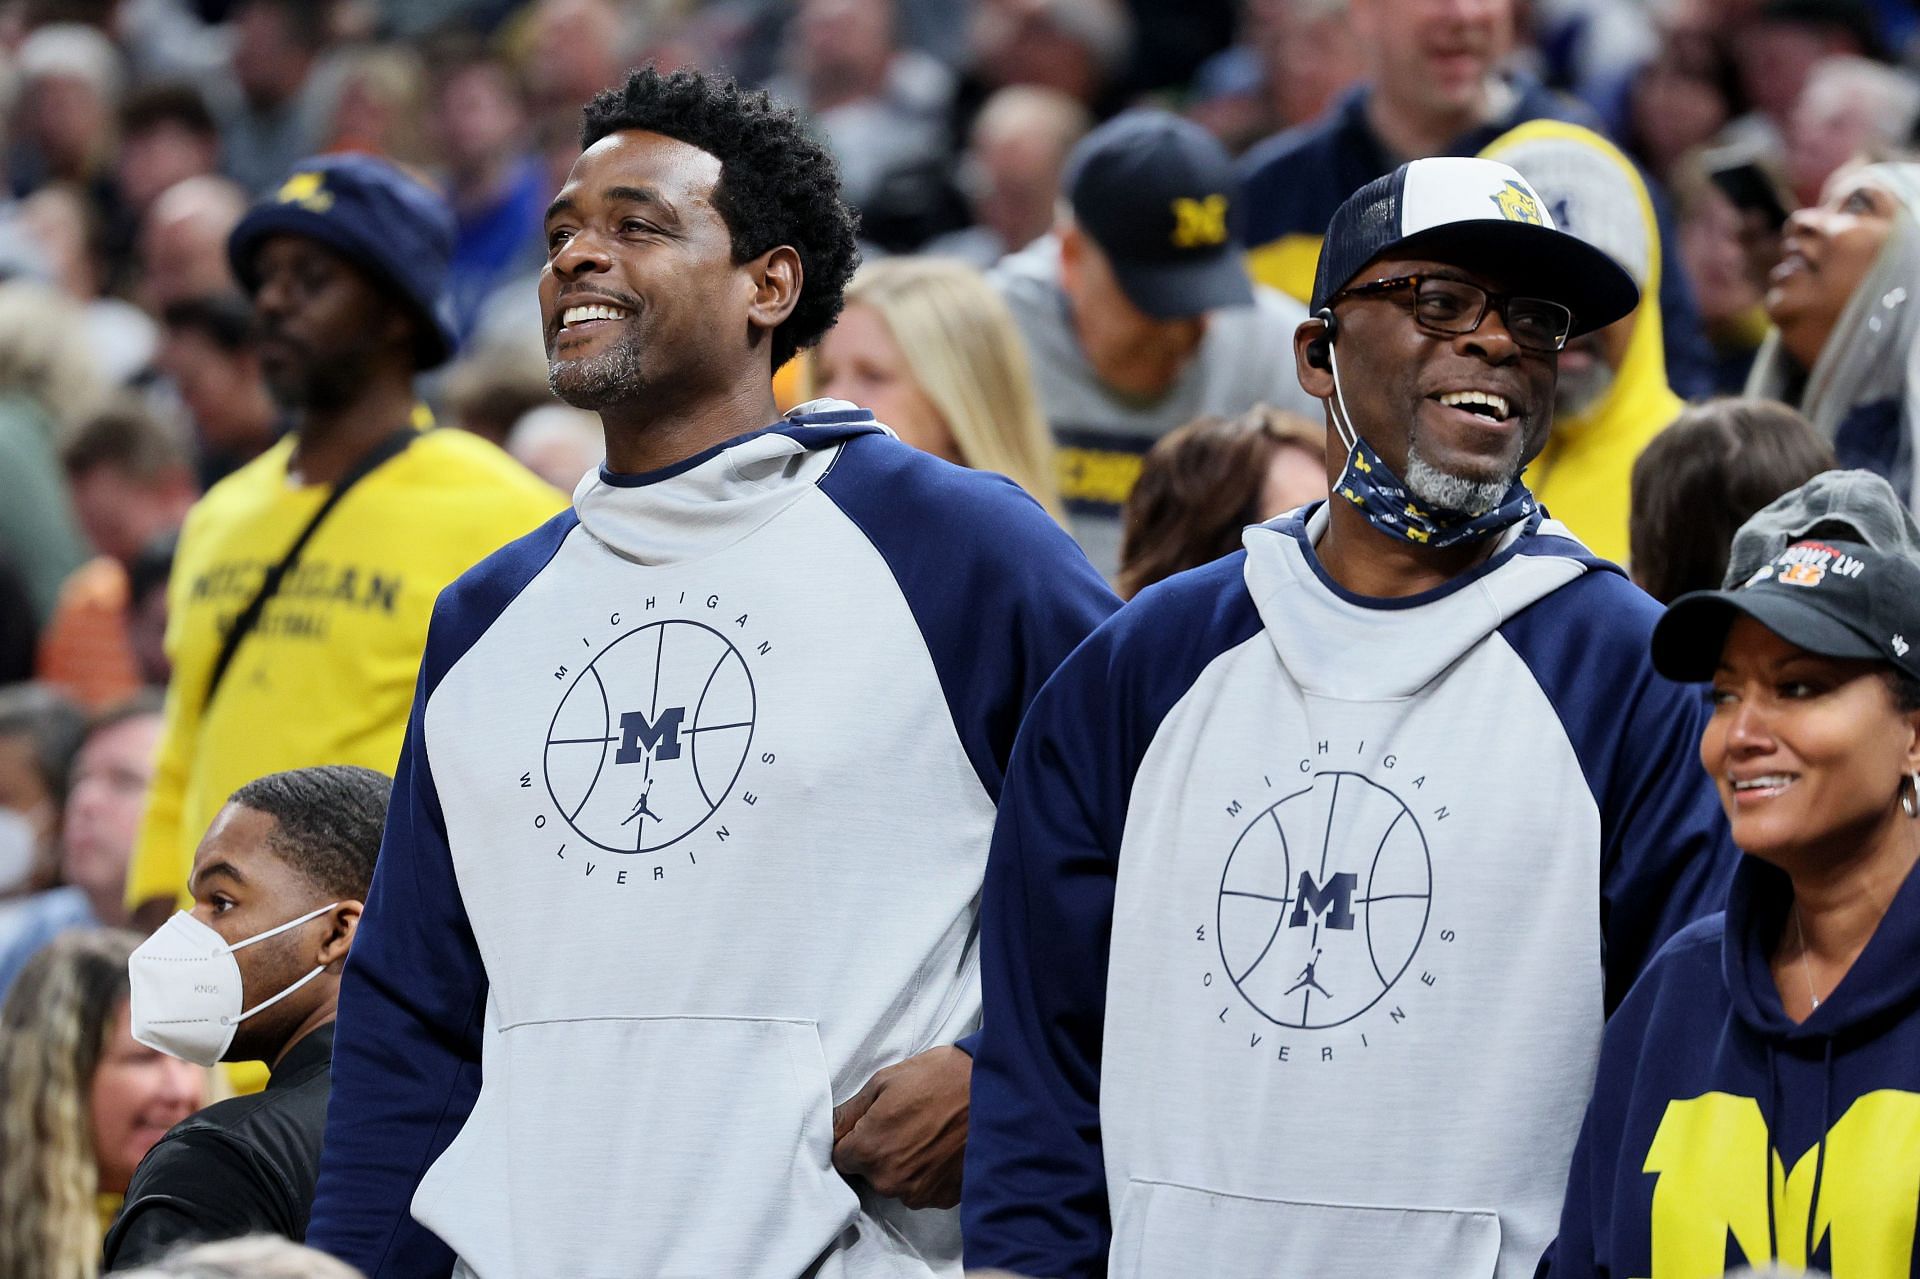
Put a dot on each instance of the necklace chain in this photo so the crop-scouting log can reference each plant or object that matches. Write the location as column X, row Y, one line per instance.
column 1806, row 969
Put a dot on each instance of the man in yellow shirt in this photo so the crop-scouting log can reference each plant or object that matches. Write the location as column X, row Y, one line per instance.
column 346, row 263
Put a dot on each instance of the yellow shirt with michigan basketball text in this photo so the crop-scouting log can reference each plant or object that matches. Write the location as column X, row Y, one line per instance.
column 327, row 675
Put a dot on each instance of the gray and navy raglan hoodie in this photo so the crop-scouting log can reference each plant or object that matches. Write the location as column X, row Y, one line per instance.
column 1305, row 911
column 686, row 843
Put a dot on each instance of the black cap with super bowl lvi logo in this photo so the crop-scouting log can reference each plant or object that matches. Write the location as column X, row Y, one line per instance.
column 1155, row 193
column 1835, row 597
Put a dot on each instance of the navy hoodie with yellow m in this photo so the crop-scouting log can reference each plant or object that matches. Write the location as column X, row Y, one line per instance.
column 1721, row 1132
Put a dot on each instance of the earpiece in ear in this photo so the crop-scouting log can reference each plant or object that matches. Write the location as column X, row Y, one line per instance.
column 1320, row 350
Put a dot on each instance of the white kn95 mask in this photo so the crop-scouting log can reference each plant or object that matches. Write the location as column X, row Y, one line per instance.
column 186, row 990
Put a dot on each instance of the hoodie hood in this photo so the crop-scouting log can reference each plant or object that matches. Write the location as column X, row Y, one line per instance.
column 1582, row 474
column 1341, row 645
column 1883, row 984
column 707, row 502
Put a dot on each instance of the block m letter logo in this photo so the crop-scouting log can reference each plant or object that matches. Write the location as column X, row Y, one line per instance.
column 1332, row 900
column 1716, row 1166
column 662, row 737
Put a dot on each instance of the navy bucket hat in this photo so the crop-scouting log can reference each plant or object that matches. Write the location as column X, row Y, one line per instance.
column 390, row 225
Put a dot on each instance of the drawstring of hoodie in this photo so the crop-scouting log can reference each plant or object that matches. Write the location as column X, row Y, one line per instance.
column 1769, row 1114
column 1771, row 1109
column 1820, row 1145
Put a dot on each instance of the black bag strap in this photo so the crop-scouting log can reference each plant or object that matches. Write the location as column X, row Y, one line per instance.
column 249, row 617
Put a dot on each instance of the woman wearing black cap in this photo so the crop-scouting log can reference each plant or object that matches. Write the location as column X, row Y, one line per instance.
column 1759, row 1090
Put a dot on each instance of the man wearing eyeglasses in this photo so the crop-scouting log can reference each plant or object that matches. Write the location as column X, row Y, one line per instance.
column 1319, row 868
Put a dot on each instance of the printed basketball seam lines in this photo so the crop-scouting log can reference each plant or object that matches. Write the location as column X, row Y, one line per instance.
column 1326, row 842
column 606, row 715
column 1373, row 870
column 1279, row 922
column 693, row 761
column 585, row 810
column 1257, row 871
column 1219, row 930
column 659, row 654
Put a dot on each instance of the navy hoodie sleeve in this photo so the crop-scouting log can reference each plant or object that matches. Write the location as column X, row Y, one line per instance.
column 1671, row 992
column 999, row 591
column 1036, row 1193
column 1572, row 1254
column 1667, row 854
column 406, row 1049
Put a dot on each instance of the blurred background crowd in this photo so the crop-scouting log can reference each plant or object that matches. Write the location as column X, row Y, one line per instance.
column 998, row 320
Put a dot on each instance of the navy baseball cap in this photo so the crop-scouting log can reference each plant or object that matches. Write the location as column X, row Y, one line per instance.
column 1834, row 597
column 392, row 226
column 1156, row 193
column 1478, row 214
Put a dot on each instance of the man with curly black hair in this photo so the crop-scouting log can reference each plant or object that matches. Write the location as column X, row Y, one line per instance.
column 689, row 830
column 744, row 178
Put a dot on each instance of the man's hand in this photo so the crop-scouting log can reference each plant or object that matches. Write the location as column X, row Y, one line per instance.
column 906, row 1131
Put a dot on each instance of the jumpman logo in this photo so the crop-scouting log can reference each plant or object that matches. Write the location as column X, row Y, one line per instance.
column 1307, row 977
column 640, row 807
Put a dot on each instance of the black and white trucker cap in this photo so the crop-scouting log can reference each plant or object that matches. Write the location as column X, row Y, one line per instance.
column 1477, row 214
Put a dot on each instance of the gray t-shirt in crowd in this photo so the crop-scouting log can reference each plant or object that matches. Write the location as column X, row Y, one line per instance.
column 1245, row 359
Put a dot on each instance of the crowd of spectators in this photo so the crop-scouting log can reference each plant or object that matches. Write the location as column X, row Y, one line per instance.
column 1024, row 171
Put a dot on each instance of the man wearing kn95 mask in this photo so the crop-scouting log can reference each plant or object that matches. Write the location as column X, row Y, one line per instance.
column 252, row 973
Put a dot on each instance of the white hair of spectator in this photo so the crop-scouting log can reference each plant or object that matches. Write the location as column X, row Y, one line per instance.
column 73, row 50
column 1891, row 97
column 252, row 1257
column 558, row 443
column 1103, row 26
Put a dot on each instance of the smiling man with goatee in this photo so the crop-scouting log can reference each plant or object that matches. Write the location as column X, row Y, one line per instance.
column 1319, row 868
column 671, row 957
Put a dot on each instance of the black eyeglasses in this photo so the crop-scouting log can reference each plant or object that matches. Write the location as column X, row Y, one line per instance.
column 1453, row 307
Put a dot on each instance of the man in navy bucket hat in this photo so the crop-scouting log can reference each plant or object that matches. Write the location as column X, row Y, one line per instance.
column 385, row 223
column 304, row 580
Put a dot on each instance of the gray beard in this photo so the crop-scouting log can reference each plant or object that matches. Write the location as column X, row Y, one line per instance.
column 597, row 382
column 1449, row 492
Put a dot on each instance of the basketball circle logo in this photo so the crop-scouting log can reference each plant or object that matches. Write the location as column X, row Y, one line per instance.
column 1323, row 902
column 650, row 736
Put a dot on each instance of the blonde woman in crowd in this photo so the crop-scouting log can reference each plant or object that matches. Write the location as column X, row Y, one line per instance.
column 933, row 351
column 80, row 1104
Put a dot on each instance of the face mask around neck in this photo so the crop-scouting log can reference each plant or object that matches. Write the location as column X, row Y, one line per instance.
column 1384, row 499
column 187, row 997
